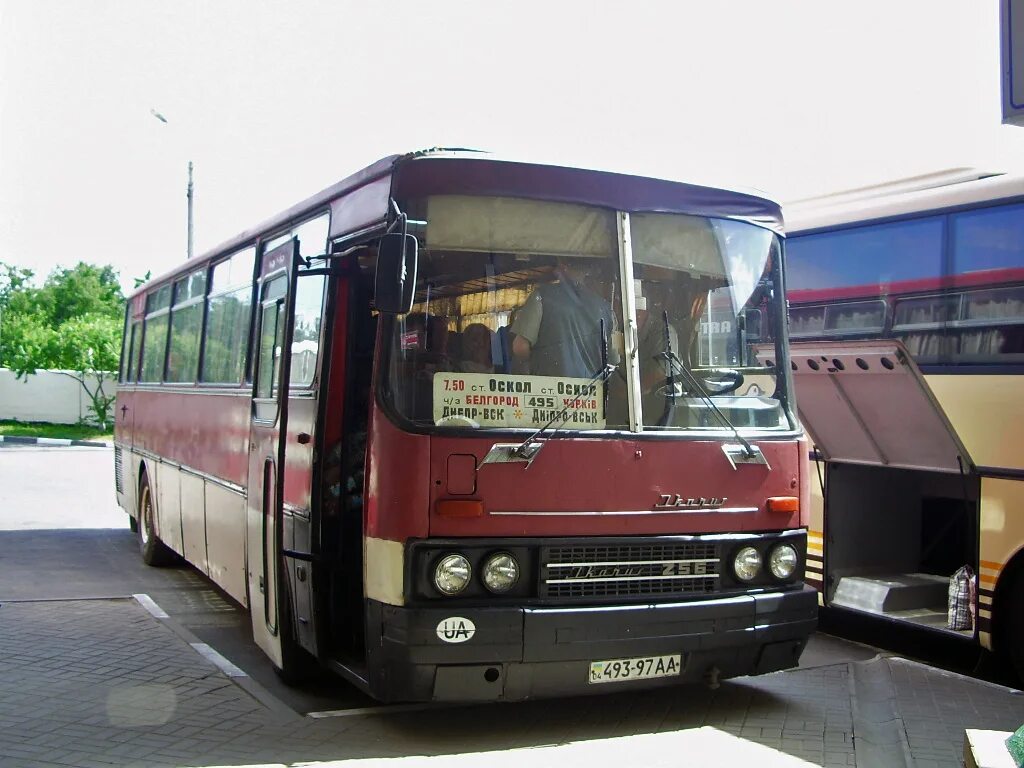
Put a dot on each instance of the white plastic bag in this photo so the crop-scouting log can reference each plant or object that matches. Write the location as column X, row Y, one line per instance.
column 960, row 614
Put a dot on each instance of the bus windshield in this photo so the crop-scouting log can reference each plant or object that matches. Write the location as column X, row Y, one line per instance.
column 520, row 318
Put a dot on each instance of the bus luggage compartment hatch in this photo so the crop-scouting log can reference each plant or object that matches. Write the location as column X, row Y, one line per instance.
column 866, row 402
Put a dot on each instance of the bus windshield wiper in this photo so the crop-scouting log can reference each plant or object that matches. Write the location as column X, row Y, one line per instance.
column 529, row 448
column 675, row 364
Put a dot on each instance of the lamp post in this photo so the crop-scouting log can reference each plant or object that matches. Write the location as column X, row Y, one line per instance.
column 188, row 196
column 188, row 192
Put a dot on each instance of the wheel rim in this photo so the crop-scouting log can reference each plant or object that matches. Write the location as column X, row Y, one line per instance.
column 147, row 516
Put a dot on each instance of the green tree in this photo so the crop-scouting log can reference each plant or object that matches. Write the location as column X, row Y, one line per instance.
column 72, row 324
column 84, row 289
column 12, row 280
column 89, row 347
column 26, row 337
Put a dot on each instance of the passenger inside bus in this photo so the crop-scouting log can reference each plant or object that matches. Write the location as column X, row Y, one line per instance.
column 475, row 354
column 559, row 328
column 423, row 351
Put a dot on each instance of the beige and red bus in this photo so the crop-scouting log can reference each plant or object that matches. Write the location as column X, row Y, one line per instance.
column 907, row 321
column 445, row 430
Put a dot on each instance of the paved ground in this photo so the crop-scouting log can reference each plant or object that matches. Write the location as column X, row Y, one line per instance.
column 53, row 549
column 34, row 494
column 104, row 682
column 89, row 677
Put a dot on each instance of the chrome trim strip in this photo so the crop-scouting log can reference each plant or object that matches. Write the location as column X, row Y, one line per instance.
column 221, row 390
column 190, row 470
column 630, row 562
column 632, row 578
column 297, row 511
column 229, row 390
column 728, row 510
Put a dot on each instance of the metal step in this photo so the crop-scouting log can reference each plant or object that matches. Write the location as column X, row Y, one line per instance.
column 889, row 593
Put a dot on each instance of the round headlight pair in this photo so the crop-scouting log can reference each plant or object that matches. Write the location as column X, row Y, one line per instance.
column 453, row 573
column 782, row 562
column 747, row 564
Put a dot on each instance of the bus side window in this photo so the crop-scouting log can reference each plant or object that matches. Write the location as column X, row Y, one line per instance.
column 154, row 340
column 129, row 366
column 271, row 337
column 228, row 309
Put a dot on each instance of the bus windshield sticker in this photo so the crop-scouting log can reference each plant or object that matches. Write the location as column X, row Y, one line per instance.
column 509, row 400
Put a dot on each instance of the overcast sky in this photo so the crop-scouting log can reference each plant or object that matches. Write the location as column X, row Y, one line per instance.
column 275, row 100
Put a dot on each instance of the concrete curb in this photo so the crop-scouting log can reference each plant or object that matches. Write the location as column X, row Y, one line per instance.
column 55, row 442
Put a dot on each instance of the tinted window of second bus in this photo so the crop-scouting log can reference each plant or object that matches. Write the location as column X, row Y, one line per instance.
column 868, row 256
column 988, row 239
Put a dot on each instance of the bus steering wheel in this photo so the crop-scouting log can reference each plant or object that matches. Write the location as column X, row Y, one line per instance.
column 717, row 381
column 720, row 381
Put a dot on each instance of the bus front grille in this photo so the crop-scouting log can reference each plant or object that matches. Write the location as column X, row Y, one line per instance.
column 630, row 570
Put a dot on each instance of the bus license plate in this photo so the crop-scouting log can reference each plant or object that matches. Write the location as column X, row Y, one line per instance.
column 645, row 668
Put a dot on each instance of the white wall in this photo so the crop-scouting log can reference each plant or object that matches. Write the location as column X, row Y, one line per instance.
column 46, row 396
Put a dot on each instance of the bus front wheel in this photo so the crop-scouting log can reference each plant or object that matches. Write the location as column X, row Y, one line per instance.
column 154, row 552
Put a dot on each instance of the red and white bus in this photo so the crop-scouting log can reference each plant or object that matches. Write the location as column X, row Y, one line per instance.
column 491, row 465
column 907, row 319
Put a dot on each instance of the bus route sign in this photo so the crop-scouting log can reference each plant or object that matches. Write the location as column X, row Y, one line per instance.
column 509, row 400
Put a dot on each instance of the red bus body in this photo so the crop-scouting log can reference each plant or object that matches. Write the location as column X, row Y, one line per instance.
column 240, row 482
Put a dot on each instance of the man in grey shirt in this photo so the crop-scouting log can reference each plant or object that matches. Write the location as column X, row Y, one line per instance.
column 559, row 328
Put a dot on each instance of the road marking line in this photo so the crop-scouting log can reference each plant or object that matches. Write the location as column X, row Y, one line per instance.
column 148, row 603
column 233, row 671
column 379, row 710
column 221, row 663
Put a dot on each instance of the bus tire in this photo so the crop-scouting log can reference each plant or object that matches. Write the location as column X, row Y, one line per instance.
column 154, row 552
column 1011, row 623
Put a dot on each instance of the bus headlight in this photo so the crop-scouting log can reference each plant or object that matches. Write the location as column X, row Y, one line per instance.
column 451, row 574
column 501, row 572
column 747, row 564
column 782, row 561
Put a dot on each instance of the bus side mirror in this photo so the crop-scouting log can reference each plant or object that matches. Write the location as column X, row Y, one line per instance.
column 396, row 273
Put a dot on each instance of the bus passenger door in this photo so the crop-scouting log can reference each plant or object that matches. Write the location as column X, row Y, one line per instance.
column 264, row 505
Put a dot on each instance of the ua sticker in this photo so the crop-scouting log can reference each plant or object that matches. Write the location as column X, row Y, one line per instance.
column 455, row 629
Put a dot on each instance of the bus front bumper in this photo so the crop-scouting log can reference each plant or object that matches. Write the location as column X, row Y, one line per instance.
column 516, row 653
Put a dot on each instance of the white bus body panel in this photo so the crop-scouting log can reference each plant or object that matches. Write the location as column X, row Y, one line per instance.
column 225, row 539
column 193, row 520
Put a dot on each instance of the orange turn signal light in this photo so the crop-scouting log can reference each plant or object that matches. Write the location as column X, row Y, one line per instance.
column 783, row 504
column 459, row 508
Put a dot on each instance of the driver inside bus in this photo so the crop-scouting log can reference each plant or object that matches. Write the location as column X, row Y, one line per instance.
column 559, row 328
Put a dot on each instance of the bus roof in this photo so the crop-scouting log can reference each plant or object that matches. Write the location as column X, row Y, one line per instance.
column 903, row 198
column 461, row 171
